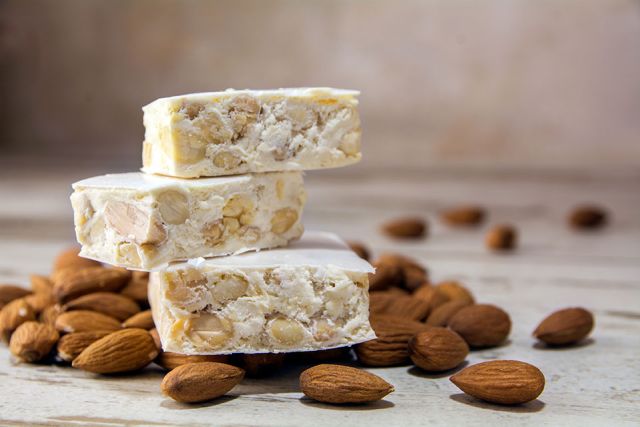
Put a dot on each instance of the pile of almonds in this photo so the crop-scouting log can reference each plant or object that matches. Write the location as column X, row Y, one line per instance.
column 97, row 319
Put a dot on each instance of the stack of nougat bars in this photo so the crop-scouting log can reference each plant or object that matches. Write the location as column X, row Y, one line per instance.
column 215, row 217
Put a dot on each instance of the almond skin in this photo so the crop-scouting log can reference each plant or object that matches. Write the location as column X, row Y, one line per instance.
column 142, row 320
column 200, row 382
column 387, row 274
column 156, row 338
column 587, row 217
column 342, row 384
column 84, row 320
column 41, row 284
column 434, row 296
column 565, row 327
column 121, row 351
column 481, row 325
column 405, row 228
column 39, row 301
column 438, row 349
column 261, row 364
column 404, row 306
column 13, row 315
column 411, row 275
column 9, row 293
column 464, row 216
column 32, row 341
column 501, row 238
column 109, row 303
column 391, row 347
column 71, row 345
column 506, row 382
column 136, row 288
column 50, row 314
column 171, row 361
column 69, row 258
column 71, row 283
column 455, row 291
column 441, row 315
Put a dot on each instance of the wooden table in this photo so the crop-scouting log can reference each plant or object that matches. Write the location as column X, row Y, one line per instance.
column 596, row 383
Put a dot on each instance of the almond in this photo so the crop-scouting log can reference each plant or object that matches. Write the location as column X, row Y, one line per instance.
column 71, row 283
column 434, row 296
column 360, row 249
column 71, row 345
column 412, row 273
column 587, row 217
column 84, row 320
column 121, row 351
column 405, row 228
column 39, row 301
column 41, row 284
column 501, row 238
column 136, row 288
column 342, row 384
column 506, row 382
column 142, row 320
column 261, row 364
column 391, row 347
column 387, row 274
column 481, row 325
column 171, row 361
column 404, row 306
column 438, row 349
column 13, row 315
column 9, row 293
column 564, row 327
column 440, row 315
column 463, row 215
column 199, row 382
column 156, row 338
column 32, row 341
column 109, row 303
column 455, row 291
column 69, row 259
column 50, row 314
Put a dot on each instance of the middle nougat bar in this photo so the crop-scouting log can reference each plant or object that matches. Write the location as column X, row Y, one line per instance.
column 144, row 221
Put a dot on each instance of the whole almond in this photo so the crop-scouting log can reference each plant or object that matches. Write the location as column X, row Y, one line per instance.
column 136, row 288
column 39, row 301
column 463, row 215
column 587, row 217
column 169, row 360
column 438, row 349
column 360, row 249
column 481, row 325
column 41, row 284
column 506, row 382
column 84, row 320
column 9, row 293
column 412, row 273
column 405, row 228
column 455, row 291
column 405, row 306
column 199, row 382
column 13, row 315
column 262, row 364
column 71, row 283
column 122, row 351
column 432, row 295
column 564, row 327
column 142, row 320
column 391, row 347
column 69, row 259
column 50, row 314
column 115, row 305
column 440, row 315
column 71, row 345
column 32, row 341
column 156, row 338
column 501, row 238
column 387, row 274
column 342, row 384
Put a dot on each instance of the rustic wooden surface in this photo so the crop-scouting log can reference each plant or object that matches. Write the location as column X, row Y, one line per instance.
column 596, row 383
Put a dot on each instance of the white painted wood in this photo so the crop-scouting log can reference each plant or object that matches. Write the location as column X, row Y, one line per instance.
column 594, row 384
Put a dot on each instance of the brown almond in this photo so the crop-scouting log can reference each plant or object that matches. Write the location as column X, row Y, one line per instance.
column 262, row 364
column 360, row 249
column 469, row 215
column 39, row 301
column 440, row 315
column 9, row 293
column 69, row 259
column 342, row 384
column 169, row 360
column 41, row 284
column 501, row 238
column 142, row 320
column 455, row 291
column 481, row 325
column 438, row 349
column 109, row 303
column 379, row 301
column 13, row 315
column 391, row 347
column 50, row 314
column 84, row 320
column 406, row 306
column 156, row 338
column 587, row 217
column 199, row 382
column 506, row 382
column 432, row 295
column 32, row 341
column 71, row 283
column 387, row 274
column 405, row 228
column 71, row 345
column 566, row 326
column 412, row 273
column 121, row 351
column 136, row 288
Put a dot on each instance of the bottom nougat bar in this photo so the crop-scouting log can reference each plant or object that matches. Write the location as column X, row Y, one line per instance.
column 311, row 295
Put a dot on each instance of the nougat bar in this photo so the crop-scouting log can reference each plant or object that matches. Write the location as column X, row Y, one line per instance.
column 240, row 131
column 310, row 295
column 142, row 221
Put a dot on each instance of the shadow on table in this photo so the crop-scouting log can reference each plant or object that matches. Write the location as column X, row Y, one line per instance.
column 530, row 407
column 172, row 404
column 567, row 347
column 372, row 406
column 417, row 372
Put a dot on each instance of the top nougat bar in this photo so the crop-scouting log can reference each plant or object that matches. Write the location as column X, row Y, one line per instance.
column 247, row 131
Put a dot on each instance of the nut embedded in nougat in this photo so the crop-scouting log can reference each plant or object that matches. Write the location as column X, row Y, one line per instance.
column 133, row 223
